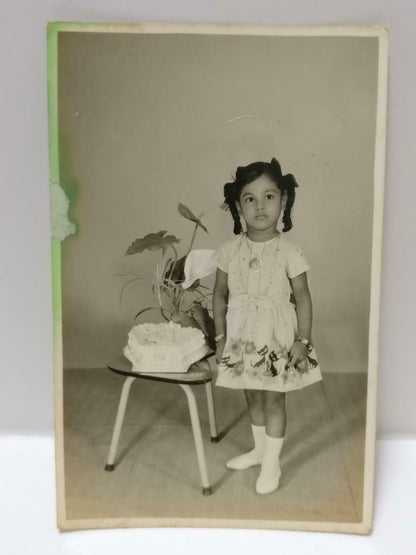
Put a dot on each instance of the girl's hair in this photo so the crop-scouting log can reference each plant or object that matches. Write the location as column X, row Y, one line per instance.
column 246, row 174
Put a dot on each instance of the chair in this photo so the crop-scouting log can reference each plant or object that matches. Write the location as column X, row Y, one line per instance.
column 198, row 373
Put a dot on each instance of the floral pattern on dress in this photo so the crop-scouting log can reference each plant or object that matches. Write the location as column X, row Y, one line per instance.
column 235, row 346
column 264, row 363
column 250, row 347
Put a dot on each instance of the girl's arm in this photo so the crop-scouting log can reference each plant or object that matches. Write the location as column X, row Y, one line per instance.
column 304, row 316
column 219, row 305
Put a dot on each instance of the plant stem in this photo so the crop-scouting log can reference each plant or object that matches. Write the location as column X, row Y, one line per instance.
column 162, row 259
column 180, row 295
column 176, row 253
column 193, row 239
column 163, row 314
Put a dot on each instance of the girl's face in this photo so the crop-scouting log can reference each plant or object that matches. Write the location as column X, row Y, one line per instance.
column 261, row 204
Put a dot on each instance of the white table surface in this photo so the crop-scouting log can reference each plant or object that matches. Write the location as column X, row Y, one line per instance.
column 27, row 514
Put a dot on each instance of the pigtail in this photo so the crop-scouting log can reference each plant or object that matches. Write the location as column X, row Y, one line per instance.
column 289, row 184
column 230, row 199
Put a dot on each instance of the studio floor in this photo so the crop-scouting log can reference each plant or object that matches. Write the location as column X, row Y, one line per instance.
column 156, row 472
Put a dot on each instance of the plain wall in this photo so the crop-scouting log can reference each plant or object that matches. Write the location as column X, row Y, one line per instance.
column 150, row 121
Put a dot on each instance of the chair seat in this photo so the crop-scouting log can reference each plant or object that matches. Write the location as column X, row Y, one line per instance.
column 198, row 373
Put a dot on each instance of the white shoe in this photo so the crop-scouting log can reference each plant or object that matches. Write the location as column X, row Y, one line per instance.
column 270, row 472
column 253, row 457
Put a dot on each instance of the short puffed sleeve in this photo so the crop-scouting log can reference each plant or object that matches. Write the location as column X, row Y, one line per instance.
column 223, row 255
column 296, row 262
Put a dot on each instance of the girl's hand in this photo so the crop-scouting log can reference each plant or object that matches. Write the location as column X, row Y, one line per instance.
column 220, row 349
column 298, row 353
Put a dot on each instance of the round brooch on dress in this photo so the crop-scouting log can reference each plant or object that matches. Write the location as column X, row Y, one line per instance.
column 254, row 264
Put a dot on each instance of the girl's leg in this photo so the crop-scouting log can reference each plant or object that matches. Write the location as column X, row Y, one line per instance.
column 255, row 402
column 275, row 413
column 275, row 419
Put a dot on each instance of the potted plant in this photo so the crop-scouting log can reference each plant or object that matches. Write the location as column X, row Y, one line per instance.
column 176, row 284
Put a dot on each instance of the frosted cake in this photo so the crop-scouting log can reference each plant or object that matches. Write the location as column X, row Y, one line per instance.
column 164, row 347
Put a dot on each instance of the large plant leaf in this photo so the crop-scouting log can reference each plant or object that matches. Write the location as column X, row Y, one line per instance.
column 189, row 215
column 152, row 242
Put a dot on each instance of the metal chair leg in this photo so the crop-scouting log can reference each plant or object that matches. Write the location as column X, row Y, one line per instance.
column 196, row 429
column 211, row 413
column 119, row 423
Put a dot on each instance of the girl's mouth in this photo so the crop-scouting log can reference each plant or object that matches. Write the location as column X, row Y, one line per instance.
column 261, row 216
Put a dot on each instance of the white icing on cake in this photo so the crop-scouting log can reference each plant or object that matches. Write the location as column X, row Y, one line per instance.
column 164, row 347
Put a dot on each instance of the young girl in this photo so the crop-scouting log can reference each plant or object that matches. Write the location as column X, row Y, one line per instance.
column 263, row 312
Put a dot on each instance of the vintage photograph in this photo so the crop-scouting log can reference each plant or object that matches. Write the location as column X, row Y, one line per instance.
column 216, row 209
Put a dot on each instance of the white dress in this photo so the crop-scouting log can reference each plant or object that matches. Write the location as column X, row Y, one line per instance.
column 261, row 319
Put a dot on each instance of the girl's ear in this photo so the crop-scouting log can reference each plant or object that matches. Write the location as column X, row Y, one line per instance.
column 237, row 203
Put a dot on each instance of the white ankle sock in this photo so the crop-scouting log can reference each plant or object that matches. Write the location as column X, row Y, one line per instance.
column 253, row 457
column 270, row 472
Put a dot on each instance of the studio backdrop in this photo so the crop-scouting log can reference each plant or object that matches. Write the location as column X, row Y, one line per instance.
column 149, row 121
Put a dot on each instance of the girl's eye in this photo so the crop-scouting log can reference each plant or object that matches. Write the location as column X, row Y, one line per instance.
column 248, row 199
column 270, row 196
